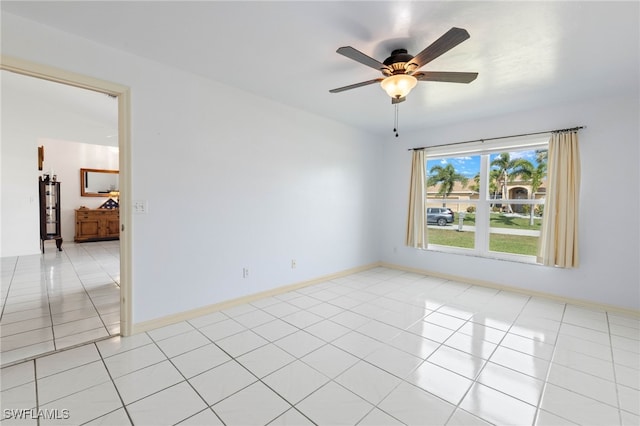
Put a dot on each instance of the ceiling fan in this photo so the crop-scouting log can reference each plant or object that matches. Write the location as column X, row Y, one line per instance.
column 400, row 70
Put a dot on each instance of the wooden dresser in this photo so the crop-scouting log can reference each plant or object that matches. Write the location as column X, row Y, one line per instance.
column 97, row 224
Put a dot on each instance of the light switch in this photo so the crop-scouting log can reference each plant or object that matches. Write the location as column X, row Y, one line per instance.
column 140, row 207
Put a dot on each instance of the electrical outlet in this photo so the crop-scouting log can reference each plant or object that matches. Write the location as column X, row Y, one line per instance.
column 293, row 264
column 245, row 272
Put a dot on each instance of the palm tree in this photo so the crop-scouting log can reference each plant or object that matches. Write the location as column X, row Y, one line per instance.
column 494, row 176
column 493, row 188
column 508, row 169
column 475, row 186
column 447, row 177
column 542, row 155
column 536, row 177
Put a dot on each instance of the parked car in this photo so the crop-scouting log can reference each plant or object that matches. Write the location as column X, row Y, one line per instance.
column 439, row 215
column 452, row 214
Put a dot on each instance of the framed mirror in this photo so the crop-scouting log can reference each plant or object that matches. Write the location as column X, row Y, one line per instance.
column 98, row 182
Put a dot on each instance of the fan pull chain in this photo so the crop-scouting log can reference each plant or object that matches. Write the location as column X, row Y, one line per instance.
column 395, row 123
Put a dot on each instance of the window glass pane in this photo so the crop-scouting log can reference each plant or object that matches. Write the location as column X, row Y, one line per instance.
column 516, row 233
column 516, row 176
column 453, row 178
column 451, row 225
column 453, row 184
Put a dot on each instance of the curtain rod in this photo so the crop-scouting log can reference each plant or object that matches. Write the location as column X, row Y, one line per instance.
column 499, row 137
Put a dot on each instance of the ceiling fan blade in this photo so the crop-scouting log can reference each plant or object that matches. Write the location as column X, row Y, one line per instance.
column 446, row 42
column 398, row 100
column 358, row 56
column 354, row 86
column 449, row 77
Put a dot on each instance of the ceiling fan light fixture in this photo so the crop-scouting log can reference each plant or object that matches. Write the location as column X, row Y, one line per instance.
column 399, row 85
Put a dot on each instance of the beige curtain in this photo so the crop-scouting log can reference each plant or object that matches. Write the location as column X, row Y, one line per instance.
column 417, row 220
column 559, row 237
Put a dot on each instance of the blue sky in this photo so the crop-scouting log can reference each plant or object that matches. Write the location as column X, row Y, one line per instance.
column 470, row 166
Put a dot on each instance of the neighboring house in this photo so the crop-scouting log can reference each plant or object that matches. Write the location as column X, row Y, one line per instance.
column 518, row 189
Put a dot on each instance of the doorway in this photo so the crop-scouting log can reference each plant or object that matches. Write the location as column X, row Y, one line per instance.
column 111, row 259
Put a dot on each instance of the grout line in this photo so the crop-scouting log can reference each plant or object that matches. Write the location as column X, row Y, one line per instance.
column 6, row 297
column 85, row 288
column 546, row 378
column 115, row 387
column 351, row 287
column 351, row 329
column 232, row 358
column 210, row 407
column 613, row 362
column 35, row 378
column 41, row 267
column 46, row 286
column 497, row 345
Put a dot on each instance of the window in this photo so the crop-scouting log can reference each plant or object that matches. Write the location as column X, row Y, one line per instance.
column 487, row 202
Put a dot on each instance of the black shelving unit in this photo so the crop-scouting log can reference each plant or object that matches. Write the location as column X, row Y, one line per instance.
column 50, row 211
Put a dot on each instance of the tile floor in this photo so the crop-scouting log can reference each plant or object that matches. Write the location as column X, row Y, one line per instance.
column 380, row 347
column 59, row 299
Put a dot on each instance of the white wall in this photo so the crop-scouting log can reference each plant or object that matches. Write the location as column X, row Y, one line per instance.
column 231, row 180
column 236, row 181
column 19, row 219
column 609, row 231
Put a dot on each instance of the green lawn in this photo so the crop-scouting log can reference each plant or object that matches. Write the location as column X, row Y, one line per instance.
column 451, row 238
column 517, row 244
column 498, row 220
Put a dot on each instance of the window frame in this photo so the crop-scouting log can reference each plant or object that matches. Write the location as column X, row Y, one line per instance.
column 483, row 203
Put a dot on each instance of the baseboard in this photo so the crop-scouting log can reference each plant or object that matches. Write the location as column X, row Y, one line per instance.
column 488, row 284
column 194, row 313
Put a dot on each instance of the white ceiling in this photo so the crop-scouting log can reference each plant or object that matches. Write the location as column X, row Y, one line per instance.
column 58, row 111
column 527, row 54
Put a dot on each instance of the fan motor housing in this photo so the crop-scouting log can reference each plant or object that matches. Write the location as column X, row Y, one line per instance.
column 399, row 61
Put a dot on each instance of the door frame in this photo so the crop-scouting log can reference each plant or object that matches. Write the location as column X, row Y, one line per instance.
column 123, row 94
